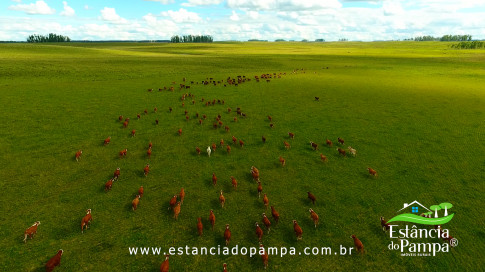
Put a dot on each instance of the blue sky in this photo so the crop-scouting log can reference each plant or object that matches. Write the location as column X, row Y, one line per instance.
column 242, row 20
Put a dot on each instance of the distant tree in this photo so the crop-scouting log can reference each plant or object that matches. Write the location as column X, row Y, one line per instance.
column 343, row 40
column 304, row 40
column 36, row 38
column 319, row 40
column 279, row 40
column 469, row 45
column 191, row 39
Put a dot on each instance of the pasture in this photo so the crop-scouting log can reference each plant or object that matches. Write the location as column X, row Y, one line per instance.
column 413, row 111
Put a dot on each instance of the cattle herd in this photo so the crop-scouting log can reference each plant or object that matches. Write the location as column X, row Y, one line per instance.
column 177, row 200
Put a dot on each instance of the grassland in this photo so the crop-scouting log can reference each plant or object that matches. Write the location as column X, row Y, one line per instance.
column 413, row 111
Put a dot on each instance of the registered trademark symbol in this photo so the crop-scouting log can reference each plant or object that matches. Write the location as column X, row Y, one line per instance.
column 453, row 242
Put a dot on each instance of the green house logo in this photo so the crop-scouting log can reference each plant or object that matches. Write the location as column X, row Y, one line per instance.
column 426, row 217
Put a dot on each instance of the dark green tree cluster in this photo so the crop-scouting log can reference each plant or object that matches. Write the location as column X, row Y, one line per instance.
column 191, row 39
column 469, row 45
column 36, row 38
column 445, row 38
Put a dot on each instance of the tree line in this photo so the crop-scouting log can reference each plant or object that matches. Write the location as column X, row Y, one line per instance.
column 469, row 45
column 36, row 38
column 445, row 38
column 191, row 39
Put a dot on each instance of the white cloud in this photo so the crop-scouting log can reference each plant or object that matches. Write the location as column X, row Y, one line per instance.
column 68, row 11
column 182, row 16
column 17, row 1
column 86, row 7
column 40, row 7
column 193, row 3
column 392, row 7
column 279, row 5
column 164, row 2
column 109, row 14
column 253, row 14
column 234, row 16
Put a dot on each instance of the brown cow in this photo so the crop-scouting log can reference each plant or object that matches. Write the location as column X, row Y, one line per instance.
column 86, row 220
column 31, row 231
column 54, row 261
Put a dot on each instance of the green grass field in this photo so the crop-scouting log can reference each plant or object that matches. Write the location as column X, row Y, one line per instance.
column 413, row 111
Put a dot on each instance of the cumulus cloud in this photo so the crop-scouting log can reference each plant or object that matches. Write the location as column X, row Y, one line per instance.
column 39, row 7
column 182, row 16
column 234, row 16
column 68, row 11
column 164, row 2
column 279, row 5
column 109, row 14
column 194, row 3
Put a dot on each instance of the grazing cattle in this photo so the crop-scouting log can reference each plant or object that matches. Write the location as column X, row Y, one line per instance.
column 342, row 152
column 358, row 244
column 228, row 148
column 214, row 179
column 176, row 211
column 108, row 185
column 123, row 153
column 312, row 197
column 156, row 121
column 224, row 266
column 204, row 116
column 54, row 261
column 135, row 202
column 298, row 230
column 259, row 232
column 145, row 111
column 222, row 199
column 222, row 142
column 313, row 145
column 227, row 234
column 234, row 140
column 215, row 125
column 155, row 109
column 180, row 131
column 141, row 191
column 138, row 116
column 282, row 161
column 291, row 135
column 241, row 143
column 384, row 225
column 352, row 151
column 260, row 189
column 116, row 174
column 120, row 118
column 265, row 201
column 31, row 231
column 275, row 214
column 317, row 98
column 214, row 147
column 229, row 110
column 150, row 145
column 314, row 217
column 271, row 125
column 264, row 256
column 146, row 169
column 323, row 158
column 270, row 118
column 125, row 124
column 266, row 222
column 86, row 220
column 372, row 172
column 200, row 227
column 226, row 128
column 149, row 152
column 287, row 145
column 107, row 140
column 172, row 202
column 182, row 195
column 164, row 267
column 212, row 219
column 200, row 121
column 209, row 151
column 329, row 143
column 340, row 141
column 170, row 109
column 255, row 173
column 235, row 119
column 263, row 139
column 234, row 182
column 187, row 118
column 78, row 154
